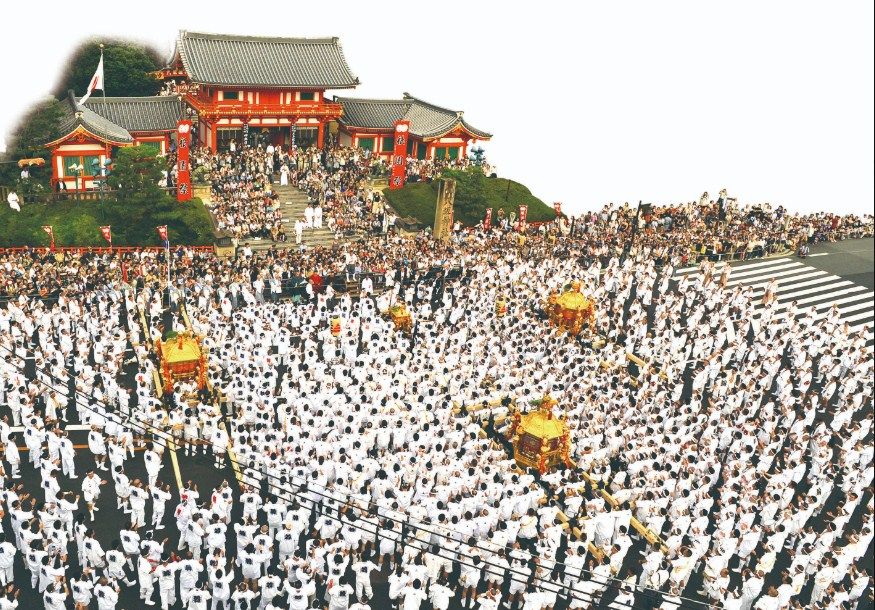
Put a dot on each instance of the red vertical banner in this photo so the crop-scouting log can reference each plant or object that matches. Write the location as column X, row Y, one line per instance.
column 51, row 233
column 487, row 222
column 557, row 207
column 106, row 232
column 183, row 161
column 524, row 214
column 399, row 155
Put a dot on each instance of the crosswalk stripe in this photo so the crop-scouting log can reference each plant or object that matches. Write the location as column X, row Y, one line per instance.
column 765, row 272
column 741, row 265
column 859, row 316
column 819, row 285
column 759, row 284
column 820, row 297
column 842, row 311
column 765, row 279
column 856, row 306
column 831, row 301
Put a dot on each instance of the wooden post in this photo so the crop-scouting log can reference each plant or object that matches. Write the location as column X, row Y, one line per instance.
column 443, row 213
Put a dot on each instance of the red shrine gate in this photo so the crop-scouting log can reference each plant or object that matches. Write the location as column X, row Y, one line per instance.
column 259, row 90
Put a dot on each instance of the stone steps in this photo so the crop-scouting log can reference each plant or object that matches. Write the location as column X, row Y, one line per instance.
column 292, row 202
column 311, row 238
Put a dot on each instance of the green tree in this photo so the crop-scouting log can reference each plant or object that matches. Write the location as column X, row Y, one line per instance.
column 28, row 139
column 126, row 68
column 38, row 126
column 478, row 156
column 471, row 196
column 135, row 173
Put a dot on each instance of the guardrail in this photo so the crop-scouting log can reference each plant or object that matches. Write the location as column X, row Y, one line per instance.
column 45, row 250
column 83, row 195
column 739, row 254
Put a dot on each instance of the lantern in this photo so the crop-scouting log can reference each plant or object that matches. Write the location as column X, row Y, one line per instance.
column 335, row 327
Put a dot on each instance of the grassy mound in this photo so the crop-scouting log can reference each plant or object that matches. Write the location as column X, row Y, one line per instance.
column 133, row 222
column 474, row 194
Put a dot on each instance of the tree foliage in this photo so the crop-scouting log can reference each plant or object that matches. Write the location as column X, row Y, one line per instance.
column 37, row 127
column 133, row 222
column 478, row 156
column 471, row 196
column 28, row 140
column 475, row 192
column 135, row 173
column 126, row 67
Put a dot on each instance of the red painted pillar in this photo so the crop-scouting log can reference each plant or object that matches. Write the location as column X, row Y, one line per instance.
column 213, row 137
column 320, row 134
column 55, row 176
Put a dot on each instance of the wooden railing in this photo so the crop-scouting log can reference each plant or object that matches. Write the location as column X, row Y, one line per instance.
column 91, row 195
column 211, row 109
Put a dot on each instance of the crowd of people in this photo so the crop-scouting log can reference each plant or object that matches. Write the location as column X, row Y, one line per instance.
column 719, row 229
column 245, row 203
column 733, row 469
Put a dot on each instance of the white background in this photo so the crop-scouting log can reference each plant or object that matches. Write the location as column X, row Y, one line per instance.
column 589, row 102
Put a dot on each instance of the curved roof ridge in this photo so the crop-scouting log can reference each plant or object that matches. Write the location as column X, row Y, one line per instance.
column 256, row 38
column 430, row 105
column 263, row 61
column 133, row 98
column 426, row 120
column 78, row 116
column 370, row 100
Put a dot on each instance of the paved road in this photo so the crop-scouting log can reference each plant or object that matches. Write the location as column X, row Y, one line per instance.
column 842, row 270
column 839, row 273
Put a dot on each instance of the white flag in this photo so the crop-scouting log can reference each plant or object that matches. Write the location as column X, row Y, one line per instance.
column 96, row 80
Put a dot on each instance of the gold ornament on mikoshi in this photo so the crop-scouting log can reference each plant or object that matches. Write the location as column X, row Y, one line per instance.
column 182, row 357
column 570, row 311
column 401, row 317
column 540, row 439
column 500, row 307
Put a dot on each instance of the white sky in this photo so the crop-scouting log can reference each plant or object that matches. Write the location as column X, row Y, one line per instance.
column 589, row 102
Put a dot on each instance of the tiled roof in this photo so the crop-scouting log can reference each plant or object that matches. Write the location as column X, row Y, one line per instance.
column 157, row 113
column 426, row 120
column 252, row 61
column 76, row 115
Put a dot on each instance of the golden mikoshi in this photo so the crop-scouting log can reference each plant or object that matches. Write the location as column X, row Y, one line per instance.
column 182, row 357
column 401, row 318
column 570, row 311
column 540, row 439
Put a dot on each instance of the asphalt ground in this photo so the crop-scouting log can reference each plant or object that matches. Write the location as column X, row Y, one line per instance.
column 852, row 260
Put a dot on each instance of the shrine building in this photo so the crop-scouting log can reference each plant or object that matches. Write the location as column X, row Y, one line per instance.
column 253, row 90
column 88, row 133
column 435, row 132
column 259, row 90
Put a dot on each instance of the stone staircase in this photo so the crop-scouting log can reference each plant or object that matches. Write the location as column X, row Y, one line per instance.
column 292, row 203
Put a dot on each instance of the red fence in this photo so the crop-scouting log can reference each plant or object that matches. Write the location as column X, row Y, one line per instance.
column 102, row 249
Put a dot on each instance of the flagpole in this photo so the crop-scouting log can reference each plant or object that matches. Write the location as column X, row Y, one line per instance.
column 168, row 271
column 105, row 144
